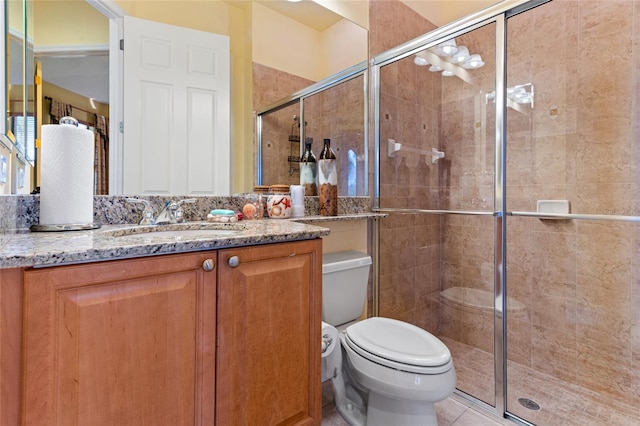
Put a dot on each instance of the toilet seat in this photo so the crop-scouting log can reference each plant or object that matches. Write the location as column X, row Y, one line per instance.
column 399, row 345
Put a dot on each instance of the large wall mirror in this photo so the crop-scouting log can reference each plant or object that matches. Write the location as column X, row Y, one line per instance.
column 273, row 42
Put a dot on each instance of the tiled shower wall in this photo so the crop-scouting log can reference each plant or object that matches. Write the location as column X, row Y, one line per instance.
column 580, row 279
column 410, row 114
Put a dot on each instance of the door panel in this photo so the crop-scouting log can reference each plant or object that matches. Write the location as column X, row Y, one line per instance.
column 176, row 110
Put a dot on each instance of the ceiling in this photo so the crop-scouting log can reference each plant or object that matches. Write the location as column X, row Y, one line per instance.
column 86, row 75
column 306, row 12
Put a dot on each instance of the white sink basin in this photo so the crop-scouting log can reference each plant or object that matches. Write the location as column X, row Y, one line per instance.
column 178, row 230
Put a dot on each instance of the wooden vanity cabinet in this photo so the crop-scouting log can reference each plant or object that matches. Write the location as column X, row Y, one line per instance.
column 125, row 342
column 133, row 342
column 269, row 322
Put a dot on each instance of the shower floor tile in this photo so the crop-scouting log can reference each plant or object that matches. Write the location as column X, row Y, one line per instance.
column 561, row 403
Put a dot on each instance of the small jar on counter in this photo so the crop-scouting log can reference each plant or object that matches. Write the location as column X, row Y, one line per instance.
column 253, row 207
column 263, row 191
column 279, row 202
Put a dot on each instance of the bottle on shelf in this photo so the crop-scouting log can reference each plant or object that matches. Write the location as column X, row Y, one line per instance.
column 308, row 170
column 328, row 181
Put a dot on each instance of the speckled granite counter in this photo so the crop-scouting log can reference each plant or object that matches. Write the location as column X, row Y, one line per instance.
column 55, row 248
column 21, row 248
column 112, row 242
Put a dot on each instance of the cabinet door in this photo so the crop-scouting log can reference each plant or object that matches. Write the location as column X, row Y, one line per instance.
column 127, row 342
column 269, row 324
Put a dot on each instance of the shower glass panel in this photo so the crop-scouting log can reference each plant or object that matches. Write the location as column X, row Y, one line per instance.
column 280, row 135
column 437, row 154
column 573, row 282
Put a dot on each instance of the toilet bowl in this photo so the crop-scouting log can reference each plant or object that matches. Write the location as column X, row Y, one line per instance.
column 383, row 371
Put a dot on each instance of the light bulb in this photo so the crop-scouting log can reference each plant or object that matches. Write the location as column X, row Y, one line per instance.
column 461, row 56
column 446, row 73
column 447, row 48
column 474, row 61
column 420, row 61
column 435, row 68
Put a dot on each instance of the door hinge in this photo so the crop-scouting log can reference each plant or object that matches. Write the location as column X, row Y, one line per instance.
column 121, row 127
column 121, row 44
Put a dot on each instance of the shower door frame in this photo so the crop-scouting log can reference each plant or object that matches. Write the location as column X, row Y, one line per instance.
column 498, row 15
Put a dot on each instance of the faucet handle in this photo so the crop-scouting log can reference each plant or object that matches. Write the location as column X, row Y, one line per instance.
column 179, row 212
column 147, row 211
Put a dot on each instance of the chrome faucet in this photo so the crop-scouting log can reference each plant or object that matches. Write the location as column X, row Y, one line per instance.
column 172, row 212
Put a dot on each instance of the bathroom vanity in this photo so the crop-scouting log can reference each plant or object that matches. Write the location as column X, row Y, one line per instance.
column 225, row 331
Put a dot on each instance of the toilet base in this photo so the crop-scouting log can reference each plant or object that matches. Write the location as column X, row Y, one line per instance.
column 384, row 411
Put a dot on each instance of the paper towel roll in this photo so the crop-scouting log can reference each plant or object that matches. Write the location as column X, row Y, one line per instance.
column 329, row 339
column 66, row 189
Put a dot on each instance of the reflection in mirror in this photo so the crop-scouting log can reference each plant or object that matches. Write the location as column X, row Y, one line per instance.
column 338, row 114
column 20, row 124
column 335, row 112
column 15, row 66
column 280, row 136
column 75, row 71
column 293, row 73
column 298, row 60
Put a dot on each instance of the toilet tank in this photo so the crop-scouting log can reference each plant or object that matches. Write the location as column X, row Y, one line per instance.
column 344, row 286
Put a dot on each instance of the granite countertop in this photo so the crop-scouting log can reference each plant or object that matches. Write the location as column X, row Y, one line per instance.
column 110, row 242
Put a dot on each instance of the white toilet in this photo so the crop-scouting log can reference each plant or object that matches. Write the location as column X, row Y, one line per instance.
column 383, row 371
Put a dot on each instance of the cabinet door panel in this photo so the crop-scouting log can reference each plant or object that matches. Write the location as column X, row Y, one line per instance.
column 125, row 342
column 269, row 335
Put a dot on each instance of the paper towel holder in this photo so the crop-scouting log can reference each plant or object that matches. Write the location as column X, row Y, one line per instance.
column 69, row 121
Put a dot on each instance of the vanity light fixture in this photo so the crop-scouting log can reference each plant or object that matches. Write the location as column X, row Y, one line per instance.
column 450, row 54
column 461, row 56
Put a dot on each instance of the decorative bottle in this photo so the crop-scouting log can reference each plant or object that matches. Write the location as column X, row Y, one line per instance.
column 328, row 181
column 308, row 171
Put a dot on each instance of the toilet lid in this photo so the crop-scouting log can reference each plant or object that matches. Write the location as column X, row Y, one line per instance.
column 399, row 341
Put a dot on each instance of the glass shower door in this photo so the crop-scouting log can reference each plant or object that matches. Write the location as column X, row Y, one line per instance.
column 437, row 127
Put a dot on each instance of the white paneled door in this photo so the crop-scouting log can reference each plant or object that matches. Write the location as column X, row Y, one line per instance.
column 176, row 110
